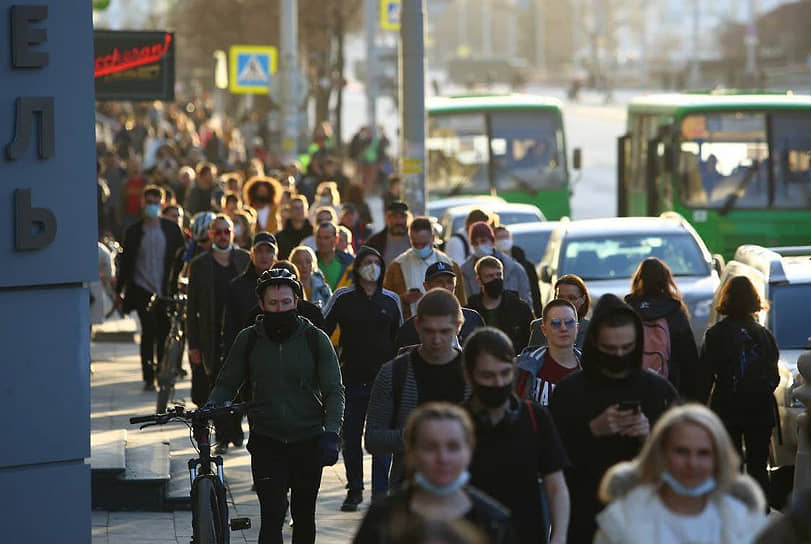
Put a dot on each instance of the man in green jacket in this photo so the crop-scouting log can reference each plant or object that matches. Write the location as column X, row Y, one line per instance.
column 293, row 371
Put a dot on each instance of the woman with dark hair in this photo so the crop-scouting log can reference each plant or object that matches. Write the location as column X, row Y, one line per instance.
column 439, row 441
column 740, row 356
column 669, row 346
column 569, row 287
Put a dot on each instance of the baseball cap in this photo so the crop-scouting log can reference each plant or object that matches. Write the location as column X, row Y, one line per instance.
column 439, row 267
column 265, row 238
column 397, row 207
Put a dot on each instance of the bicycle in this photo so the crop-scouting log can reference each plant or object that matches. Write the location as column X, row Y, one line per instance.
column 170, row 366
column 208, row 496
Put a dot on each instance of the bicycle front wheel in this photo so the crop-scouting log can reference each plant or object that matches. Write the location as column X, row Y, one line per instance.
column 210, row 514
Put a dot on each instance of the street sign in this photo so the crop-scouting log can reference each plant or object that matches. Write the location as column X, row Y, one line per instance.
column 250, row 68
column 390, row 14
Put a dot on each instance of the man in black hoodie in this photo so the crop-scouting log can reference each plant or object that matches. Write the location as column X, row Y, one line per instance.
column 605, row 413
column 369, row 317
column 296, row 228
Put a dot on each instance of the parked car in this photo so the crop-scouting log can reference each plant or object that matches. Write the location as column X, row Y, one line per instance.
column 606, row 252
column 532, row 238
column 783, row 277
column 453, row 220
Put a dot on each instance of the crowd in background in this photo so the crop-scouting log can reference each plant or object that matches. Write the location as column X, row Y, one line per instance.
column 438, row 352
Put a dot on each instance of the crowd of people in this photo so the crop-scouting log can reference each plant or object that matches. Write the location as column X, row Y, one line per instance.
column 485, row 421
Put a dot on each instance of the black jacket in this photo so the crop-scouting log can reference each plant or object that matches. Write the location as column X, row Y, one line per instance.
column 407, row 335
column 581, row 397
column 241, row 300
column 289, row 237
column 132, row 243
column 368, row 325
column 720, row 355
column 202, row 328
column 514, row 317
column 683, row 364
column 486, row 514
column 378, row 240
column 532, row 275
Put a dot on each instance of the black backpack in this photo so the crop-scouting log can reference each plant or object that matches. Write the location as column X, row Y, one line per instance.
column 752, row 371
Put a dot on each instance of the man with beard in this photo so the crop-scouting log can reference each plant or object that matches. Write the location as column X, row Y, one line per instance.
column 605, row 412
column 209, row 276
column 499, row 307
column 392, row 240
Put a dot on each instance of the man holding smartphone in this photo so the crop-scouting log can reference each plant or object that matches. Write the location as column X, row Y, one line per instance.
column 605, row 413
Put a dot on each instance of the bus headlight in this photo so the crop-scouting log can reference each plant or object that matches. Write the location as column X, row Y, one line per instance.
column 702, row 308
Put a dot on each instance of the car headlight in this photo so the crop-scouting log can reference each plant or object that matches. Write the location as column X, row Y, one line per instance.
column 702, row 308
column 796, row 381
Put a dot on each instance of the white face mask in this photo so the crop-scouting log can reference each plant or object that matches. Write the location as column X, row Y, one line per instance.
column 504, row 245
column 370, row 272
column 483, row 250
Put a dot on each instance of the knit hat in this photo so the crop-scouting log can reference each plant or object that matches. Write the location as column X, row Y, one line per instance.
column 481, row 229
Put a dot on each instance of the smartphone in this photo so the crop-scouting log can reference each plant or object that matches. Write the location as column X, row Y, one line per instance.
column 629, row 405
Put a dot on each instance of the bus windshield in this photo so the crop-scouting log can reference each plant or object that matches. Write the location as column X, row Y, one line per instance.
column 526, row 147
column 729, row 155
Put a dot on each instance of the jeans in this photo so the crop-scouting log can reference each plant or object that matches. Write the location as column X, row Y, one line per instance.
column 357, row 400
column 155, row 326
column 277, row 467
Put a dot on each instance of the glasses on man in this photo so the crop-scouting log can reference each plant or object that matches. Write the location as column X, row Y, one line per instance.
column 222, row 232
column 558, row 324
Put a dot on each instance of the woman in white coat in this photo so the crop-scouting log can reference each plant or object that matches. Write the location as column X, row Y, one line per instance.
column 683, row 487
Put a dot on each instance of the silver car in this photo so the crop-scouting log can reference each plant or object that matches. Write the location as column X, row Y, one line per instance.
column 606, row 252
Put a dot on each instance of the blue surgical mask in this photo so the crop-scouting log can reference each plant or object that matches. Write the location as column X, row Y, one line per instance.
column 701, row 489
column 483, row 250
column 442, row 490
column 152, row 210
column 424, row 252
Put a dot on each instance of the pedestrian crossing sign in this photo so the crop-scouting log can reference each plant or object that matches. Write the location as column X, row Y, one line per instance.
column 390, row 14
column 251, row 67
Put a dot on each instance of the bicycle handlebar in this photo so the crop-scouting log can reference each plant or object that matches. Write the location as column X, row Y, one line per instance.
column 202, row 414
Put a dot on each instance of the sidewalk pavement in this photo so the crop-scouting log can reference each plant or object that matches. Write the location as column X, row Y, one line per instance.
column 116, row 395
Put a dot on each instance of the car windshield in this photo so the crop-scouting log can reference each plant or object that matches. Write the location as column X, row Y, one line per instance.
column 527, row 152
column 610, row 257
column 533, row 244
column 727, row 156
column 789, row 310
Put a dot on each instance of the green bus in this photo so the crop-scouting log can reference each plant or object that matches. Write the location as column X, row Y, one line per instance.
column 737, row 166
column 512, row 146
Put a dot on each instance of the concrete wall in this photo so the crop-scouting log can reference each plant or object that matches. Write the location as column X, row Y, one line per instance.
column 47, row 253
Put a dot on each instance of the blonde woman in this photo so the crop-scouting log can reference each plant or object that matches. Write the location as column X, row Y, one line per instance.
column 439, row 441
column 683, row 487
column 312, row 280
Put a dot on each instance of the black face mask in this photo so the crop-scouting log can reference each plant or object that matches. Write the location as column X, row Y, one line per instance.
column 492, row 396
column 279, row 325
column 262, row 199
column 615, row 363
column 494, row 288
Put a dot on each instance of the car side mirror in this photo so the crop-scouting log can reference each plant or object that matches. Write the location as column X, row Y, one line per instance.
column 546, row 275
column 718, row 263
column 577, row 158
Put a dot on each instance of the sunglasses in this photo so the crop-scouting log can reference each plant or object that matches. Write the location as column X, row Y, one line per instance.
column 219, row 232
column 558, row 324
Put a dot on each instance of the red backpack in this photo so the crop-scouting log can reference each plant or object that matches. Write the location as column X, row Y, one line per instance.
column 656, row 346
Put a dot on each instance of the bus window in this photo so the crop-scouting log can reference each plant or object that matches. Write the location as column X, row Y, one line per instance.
column 791, row 145
column 527, row 150
column 721, row 151
column 458, row 153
